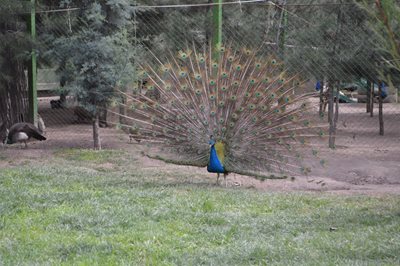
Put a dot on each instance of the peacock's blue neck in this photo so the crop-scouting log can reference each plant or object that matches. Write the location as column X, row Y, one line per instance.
column 215, row 165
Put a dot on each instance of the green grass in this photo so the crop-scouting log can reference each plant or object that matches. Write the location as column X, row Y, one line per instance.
column 90, row 155
column 67, row 211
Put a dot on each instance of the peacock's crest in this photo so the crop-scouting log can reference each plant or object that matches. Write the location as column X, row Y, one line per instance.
column 247, row 102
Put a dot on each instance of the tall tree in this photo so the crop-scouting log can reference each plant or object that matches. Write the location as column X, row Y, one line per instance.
column 385, row 20
column 14, row 46
column 100, row 55
column 389, row 18
column 331, row 41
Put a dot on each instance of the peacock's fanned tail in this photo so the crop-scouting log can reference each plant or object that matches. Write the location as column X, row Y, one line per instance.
column 244, row 100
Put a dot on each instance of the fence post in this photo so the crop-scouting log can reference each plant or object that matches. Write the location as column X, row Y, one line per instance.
column 217, row 31
column 32, row 74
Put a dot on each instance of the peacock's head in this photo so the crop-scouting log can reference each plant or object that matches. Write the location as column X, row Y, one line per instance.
column 212, row 141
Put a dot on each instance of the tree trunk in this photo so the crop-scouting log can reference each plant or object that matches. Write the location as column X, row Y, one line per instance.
column 122, row 110
column 321, row 100
column 103, row 118
column 371, row 99
column 13, row 92
column 381, row 127
column 331, row 116
column 335, row 118
column 96, row 134
column 368, row 94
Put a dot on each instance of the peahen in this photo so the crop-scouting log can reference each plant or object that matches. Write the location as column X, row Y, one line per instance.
column 22, row 132
column 240, row 113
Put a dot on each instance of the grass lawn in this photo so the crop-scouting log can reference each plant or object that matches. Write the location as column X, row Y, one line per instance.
column 86, row 208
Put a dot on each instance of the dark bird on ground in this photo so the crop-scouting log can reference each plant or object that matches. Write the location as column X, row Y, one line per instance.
column 22, row 132
column 243, row 113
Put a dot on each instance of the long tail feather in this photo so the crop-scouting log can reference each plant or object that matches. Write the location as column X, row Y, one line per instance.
column 247, row 101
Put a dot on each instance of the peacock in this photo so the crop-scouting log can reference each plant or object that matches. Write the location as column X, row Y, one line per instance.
column 230, row 110
column 22, row 132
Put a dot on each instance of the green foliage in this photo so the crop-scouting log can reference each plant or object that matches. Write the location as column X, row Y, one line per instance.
column 97, row 54
column 385, row 20
column 165, row 29
column 337, row 42
column 14, row 39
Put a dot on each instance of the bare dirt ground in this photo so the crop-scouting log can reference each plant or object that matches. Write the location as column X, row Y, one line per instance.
column 363, row 161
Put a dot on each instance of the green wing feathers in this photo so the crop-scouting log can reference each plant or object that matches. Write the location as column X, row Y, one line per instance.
column 245, row 100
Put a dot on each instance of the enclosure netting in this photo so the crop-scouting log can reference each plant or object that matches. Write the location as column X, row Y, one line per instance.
column 330, row 45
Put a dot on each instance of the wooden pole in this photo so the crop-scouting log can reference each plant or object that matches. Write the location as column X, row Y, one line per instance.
column 217, row 25
column 32, row 68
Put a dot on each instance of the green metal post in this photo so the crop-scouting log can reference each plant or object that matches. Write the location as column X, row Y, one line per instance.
column 32, row 88
column 217, row 33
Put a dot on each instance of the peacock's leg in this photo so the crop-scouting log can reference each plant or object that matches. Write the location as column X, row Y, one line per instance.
column 26, row 145
column 226, row 182
column 217, row 178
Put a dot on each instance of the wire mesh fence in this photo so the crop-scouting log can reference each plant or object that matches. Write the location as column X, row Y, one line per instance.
column 331, row 46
